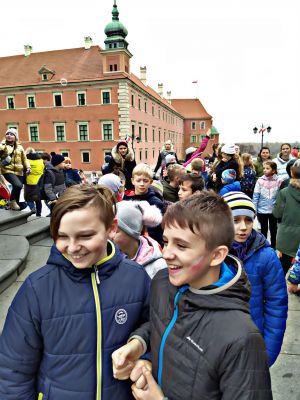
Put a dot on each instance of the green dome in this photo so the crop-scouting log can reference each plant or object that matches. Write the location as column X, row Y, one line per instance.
column 115, row 27
column 214, row 130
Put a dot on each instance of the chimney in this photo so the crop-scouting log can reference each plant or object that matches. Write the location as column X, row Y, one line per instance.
column 143, row 73
column 169, row 96
column 27, row 50
column 88, row 42
column 160, row 90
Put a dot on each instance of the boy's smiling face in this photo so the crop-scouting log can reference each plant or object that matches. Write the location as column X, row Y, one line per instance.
column 141, row 183
column 189, row 261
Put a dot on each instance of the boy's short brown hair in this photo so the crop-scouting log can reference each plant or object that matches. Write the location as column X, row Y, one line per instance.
column 197, row 164
column 174, row 170
column 202, row 213
column 142, row 169
column 197, row 182
column 79, row 196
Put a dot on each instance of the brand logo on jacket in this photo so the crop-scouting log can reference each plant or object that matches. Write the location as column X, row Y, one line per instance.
column 121, row 316
column 194, row 344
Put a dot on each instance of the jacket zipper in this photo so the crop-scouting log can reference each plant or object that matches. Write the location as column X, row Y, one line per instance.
column 95, row 283
column 167, row 331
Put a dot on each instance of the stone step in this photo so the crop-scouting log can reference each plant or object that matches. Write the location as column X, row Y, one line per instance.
column 33, row 230
column 13, row 254
column 10, row 219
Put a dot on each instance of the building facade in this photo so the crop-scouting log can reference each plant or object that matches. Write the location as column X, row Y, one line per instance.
column 80, row 102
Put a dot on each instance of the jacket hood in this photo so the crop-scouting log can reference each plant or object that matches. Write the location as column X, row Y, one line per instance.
column 105, row 270
column 33, row 156
column 293, row 189
column 234, row 295
column 118, row 158
column 149, row 251
column 269, row 178
column 279, row 159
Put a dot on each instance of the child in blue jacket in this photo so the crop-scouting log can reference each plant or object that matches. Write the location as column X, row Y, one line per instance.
column 69, row 316
column 268, row 301
column 294, row 275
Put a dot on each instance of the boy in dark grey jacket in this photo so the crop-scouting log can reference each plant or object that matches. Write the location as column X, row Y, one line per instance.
column 204, row 344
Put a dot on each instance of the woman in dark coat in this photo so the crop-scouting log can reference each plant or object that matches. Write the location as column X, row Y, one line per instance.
column 123, row 159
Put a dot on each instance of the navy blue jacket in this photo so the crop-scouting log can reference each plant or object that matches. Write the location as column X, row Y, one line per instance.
column 269, row 300
column 62, row 328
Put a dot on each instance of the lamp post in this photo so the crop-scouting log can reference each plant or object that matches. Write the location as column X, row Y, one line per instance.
column 131, row 139
column 261, row 129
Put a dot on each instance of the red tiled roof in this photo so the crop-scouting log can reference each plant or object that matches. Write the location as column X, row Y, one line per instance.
column 152, row 92
column 190, row 108
column 72, row 64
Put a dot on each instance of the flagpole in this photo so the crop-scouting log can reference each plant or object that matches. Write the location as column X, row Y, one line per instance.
column 196, row 87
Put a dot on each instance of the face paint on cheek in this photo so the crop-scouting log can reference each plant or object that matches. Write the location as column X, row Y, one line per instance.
column 198, row 264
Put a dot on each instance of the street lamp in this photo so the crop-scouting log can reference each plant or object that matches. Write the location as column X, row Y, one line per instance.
column 261, row 129
column 131, row 139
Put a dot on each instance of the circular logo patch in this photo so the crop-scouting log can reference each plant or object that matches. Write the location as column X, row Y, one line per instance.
column 121, row 316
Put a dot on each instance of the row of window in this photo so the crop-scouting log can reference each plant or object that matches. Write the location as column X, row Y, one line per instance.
column 193, row 138
column 106, row 133
column 58, row 99
column 194, row 124
column 164, row 115
column 85, row 155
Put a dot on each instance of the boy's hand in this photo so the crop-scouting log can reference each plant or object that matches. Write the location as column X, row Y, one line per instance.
column 152, row 390
column 292, row 288
column 208, row 133
column 123, row 359
column 137, row 373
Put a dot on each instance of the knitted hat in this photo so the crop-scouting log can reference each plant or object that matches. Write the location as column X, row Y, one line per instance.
column 56, row 159
column 240, row 204
column 111, row 181
column 190, row 150
column 228, row 149
column 133, row 215
column 14, row 132
column 229, row 175
column 170, row 159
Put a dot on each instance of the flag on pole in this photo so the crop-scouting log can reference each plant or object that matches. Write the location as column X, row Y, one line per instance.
column 262, row 130
column 195, row 82
column 128, row 139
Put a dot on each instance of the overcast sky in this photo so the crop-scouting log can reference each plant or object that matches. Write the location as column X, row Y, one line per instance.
column 243, row 53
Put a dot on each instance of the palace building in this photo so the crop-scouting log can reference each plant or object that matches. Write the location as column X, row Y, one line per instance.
column 80, row 102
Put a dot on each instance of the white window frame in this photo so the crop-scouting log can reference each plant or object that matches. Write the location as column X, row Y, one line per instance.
column 106, row 91
column 38, row 132
column 102, row 130
column 78, row 131
column 34, row 100
column 57, row 94
column 65, row 153
column 193, row 125
column 77, row 96
column 81, row 156
column 202, row 125
column 56, row 124
column 10, row 97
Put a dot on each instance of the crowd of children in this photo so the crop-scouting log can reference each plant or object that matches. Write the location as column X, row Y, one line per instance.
column 214, row 319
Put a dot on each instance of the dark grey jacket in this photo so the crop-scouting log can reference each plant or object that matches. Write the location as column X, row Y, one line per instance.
column 213, row 351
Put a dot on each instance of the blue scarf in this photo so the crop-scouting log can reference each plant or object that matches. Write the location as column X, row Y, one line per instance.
column 241, row 249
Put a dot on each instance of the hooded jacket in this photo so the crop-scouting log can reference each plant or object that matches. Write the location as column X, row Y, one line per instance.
column 281, row 166
column 269, row 300
column 230, row 187
column 204, row 344
column 265, row 192
column 125, row 165
column 150, row 256
column 54, row 184
column 287, row 209
column 161, row 161
column 18, row 163
column 63, row 326
column 37, row 168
